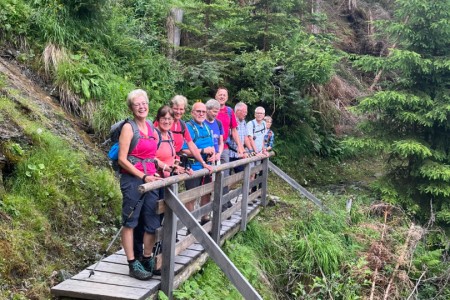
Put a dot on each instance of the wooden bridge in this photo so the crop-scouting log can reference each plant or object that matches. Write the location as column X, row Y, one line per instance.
column 179, row 260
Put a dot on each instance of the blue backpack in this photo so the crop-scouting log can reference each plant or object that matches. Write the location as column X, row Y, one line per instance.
column 114, row 134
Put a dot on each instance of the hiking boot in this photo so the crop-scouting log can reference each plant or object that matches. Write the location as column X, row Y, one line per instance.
column 148, row 263
column 137, row 271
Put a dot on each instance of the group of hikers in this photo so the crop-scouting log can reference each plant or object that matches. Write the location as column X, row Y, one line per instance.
column 151, row 151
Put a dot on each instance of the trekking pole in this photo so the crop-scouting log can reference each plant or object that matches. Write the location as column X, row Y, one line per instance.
column 92, row 272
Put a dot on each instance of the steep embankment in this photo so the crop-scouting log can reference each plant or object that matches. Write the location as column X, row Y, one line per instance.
column 58, row 200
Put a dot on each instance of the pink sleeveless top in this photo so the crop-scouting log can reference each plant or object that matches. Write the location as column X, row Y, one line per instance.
column 146, row 149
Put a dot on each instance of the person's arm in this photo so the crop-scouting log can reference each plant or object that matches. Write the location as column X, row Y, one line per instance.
column 249, row 146
column 221, row 145
column 240, row 148
column 196, row 154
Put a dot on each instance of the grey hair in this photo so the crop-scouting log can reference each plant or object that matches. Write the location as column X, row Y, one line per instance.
column 240, row 105
column 212, row 104
column 259, row 108
column 179, row 100
column 268, row 119
column 134, row 94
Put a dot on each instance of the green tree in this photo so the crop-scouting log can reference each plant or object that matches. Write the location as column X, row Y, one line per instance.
column 410, row 118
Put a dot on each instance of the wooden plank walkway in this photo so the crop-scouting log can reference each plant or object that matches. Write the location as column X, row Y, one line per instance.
column 111, row 279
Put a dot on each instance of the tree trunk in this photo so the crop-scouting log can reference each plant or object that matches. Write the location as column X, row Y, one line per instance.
column 174, row 32
column 315, row 9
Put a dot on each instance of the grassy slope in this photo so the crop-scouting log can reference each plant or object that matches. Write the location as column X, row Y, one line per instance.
column 57, row 208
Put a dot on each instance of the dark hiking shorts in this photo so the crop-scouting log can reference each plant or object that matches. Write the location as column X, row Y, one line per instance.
column 146, row 209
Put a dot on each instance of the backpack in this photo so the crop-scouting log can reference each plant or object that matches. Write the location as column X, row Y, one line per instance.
column 170, row 140
column 261, row 130
column 196, row 133
column 114, row 134
column 183, row 128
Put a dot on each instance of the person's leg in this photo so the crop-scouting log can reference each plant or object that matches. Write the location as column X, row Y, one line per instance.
column 190, row 184
column 225, row 158
column 131, row 210
column 238, row 168
column 205, row 199
column 138, row 239
column 152, row 221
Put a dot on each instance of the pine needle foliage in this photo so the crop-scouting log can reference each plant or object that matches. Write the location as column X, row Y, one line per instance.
column 411, row 118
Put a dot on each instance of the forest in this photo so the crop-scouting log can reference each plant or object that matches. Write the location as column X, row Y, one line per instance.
column 359, row 95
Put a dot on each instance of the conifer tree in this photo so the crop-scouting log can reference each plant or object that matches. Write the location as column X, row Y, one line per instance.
column 409, row 116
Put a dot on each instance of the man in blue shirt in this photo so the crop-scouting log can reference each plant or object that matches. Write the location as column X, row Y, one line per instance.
column 202, row 138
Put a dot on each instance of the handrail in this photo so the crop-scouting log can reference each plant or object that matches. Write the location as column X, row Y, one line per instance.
column 298, row 187
column 182, row 177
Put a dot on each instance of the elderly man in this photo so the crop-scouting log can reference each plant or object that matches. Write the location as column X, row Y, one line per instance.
column 240, row 111
column 256, row 130
column 202, row 138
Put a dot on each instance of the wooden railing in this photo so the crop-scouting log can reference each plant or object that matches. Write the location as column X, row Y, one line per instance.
column 176, row 216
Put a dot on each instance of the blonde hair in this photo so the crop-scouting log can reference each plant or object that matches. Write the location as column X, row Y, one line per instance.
column 134, row 94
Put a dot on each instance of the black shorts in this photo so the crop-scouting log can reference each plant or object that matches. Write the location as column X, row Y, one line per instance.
column 146, row 209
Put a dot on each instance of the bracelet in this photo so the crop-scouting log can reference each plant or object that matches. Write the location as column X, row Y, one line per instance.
column 143, row 177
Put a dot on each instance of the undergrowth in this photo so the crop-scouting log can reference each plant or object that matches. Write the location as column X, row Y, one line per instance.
column 56, row 209
column 303, row 253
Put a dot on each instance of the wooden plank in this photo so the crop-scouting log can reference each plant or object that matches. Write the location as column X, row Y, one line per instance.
column 118, row 280
column 190, row 253
column 93, row 290
column 197, row 247
column 110, row 268
column 183, row 260
column 231, row 179
column 117, row 259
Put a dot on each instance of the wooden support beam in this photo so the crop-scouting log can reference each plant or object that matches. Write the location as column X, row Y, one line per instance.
column 214, row 251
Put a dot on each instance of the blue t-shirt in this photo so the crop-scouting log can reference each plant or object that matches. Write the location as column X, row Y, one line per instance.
column 202, row 138
column 216, row 132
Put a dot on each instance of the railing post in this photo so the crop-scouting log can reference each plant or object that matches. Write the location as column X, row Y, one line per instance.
column 245, row 190
column 168, row 252
column 265, row 171
column 217, row 207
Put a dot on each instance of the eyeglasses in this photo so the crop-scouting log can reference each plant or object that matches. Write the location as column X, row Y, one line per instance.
column 166, row 119
column 140, row 104
column 200, row 112
column 259, row 113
